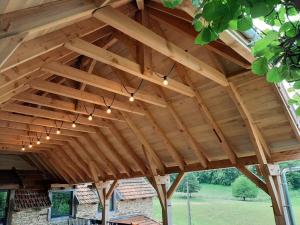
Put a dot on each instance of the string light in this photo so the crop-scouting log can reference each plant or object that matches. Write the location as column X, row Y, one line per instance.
column 131, row 99
column 48, row 137
column 48, row 133
column 38, row 142
column 108, row 110
column 90, row 118
column 23, row 148
column 165, row 82
column 30, row 145
column 73, row 124
column 58, row 131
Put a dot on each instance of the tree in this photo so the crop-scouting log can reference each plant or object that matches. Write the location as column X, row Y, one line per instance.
column 194, row 185
column 277, row 52
column 244, row 188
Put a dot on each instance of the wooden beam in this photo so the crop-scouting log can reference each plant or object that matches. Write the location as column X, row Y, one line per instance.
column 57, row 116
column 137, row 31
column 8, row 46
column 99, row 82
column 140, row 4
column 141, row 138
column 111, row 189
column 124, row 64
column 84, row 96
column 20, row 122
column 175, row 184
column 184, row 26
column 65, row 105
column 207, row 115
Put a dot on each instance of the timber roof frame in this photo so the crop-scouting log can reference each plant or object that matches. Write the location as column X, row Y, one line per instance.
column 58, row 68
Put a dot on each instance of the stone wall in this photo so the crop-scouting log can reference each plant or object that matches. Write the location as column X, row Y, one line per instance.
column 88, row 211
column 30, row 217
column 134, row 207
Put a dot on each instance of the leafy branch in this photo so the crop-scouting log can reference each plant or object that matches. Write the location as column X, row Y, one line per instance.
column 277, row 53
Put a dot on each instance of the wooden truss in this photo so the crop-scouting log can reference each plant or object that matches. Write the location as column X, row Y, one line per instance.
column 59, row 68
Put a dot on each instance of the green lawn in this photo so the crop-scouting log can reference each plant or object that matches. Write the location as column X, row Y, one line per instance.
column 214, row 205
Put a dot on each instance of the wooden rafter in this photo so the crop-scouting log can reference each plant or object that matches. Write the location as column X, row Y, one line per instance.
column 139, row 32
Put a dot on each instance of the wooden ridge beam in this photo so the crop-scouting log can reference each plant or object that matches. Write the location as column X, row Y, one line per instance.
column 83, row 124
column 153, row 155
column 102, row 83
column 124, row 64
column 65, row 105
column 142, row 34
column 84, row 96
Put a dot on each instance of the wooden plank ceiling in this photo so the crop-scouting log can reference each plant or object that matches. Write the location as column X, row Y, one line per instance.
column 68, row 72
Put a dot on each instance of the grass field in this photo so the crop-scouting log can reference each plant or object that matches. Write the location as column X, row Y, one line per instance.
column 214, row 205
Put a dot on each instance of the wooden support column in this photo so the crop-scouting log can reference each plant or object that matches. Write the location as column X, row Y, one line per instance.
column 105, row 191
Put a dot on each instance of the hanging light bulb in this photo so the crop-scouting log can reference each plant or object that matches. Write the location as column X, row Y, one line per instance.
column 23, row 148
column 90, row 118
column 73, row 124
column 108, row 110
column 30, row 145
column 48, row 137
column 58, row 131
column 165, row 82
column 38, row 142
column 131, row 99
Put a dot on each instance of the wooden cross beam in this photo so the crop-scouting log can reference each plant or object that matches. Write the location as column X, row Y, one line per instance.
column 124, row 64
column 84, row 96
column 144, row 35
column 102, row 83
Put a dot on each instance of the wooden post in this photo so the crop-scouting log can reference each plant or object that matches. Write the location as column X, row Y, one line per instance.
column 105, row 191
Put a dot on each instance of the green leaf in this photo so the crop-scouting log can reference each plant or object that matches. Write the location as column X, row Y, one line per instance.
column 260, row 66
column 260, row 46
column 198, row 25
column 291, row 89
column 214, row 10
column 171, row 3
column 233, row 24
column 297, row 111
column 296, row 85
column 274, row 75
column 205, row 36
column 292, row 101
column 260, row 9
column 244, row 24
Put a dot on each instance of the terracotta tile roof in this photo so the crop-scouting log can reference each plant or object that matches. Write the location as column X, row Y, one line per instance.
column 134, row 189
column 86, row 195
column 26, row 199
column 135, row 220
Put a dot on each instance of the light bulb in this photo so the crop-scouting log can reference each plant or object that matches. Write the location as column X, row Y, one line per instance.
column 58, row 131
column 90, row 118
column 165, row 82
column 108, row 110
column 30, row 145
column 38, row 142
column 48, row 137
column 74, row 124
column 131, row 99
column 23, row 148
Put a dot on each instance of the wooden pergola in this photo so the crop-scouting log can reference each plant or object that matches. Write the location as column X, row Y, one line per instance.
column 118, row 89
